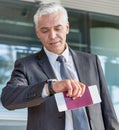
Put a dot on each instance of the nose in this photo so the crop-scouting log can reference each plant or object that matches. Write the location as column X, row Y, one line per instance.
column 52, row 34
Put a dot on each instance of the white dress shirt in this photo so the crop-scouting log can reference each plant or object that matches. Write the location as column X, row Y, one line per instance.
column 56, row 67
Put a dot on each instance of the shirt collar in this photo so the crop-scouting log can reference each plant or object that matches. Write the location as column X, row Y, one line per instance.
column 52, row 56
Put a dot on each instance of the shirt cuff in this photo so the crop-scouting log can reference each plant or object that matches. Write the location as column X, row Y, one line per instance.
column 44, row 93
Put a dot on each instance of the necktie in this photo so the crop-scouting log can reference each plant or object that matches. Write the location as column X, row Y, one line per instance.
column 79, row 116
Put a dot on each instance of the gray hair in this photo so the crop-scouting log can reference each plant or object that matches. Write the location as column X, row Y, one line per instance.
column 50, row 8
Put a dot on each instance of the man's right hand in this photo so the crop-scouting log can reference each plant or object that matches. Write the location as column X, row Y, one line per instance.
column 73, row 87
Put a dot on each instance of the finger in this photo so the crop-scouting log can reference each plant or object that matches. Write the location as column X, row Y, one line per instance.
column 76, row 87
column 69, row 87
column 80, row 92
column 83, row 88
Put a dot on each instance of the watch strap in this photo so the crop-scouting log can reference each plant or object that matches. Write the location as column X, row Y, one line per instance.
column 51, row 91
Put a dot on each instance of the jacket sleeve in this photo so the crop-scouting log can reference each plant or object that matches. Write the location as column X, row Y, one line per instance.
column 109, row 116
column 18, row 93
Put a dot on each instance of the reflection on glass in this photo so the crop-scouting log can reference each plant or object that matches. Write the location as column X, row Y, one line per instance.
column 105, row 42
column 8, row 55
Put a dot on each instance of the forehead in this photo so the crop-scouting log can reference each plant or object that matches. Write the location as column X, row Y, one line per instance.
column 52, row 19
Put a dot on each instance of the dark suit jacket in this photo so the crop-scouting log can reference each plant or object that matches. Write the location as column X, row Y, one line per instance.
column 27, row 81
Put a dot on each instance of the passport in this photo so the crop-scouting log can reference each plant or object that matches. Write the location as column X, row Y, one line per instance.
column 91, row 96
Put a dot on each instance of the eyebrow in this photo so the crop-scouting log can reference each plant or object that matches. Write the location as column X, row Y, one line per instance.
column 43, row 28
column 48, row 27
column 58, row 25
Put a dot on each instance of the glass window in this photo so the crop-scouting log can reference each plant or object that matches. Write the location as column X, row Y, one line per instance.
column 17, row 39
column 8, row 55
column 104, row 33
column 78, row 37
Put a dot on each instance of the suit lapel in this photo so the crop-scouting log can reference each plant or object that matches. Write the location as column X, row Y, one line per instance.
column 80, row 64
column 45, row 65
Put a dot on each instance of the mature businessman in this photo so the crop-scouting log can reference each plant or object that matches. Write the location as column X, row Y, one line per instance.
column 32, row 85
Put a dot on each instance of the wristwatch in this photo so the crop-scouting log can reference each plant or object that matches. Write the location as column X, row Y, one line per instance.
column 49, row 82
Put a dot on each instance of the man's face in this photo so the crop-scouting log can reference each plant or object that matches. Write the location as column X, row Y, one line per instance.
column 52, row 31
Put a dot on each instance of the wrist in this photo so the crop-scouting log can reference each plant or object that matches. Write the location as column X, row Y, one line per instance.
column 49, row 89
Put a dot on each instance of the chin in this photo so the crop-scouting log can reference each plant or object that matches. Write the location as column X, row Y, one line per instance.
column 58, row 50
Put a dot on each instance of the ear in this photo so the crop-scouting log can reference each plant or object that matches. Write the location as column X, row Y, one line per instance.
column 37, row 33
column 67, row 28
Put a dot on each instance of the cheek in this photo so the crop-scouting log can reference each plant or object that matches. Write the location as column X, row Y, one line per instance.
column 42, row 38
column 64, row 36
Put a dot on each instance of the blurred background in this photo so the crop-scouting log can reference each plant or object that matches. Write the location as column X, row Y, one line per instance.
column 94, row 28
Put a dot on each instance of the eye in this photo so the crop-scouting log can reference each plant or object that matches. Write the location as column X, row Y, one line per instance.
column 58, row 28
column 44, row 30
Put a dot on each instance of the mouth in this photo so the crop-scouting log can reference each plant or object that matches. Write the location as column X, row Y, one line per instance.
column 54, row 43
